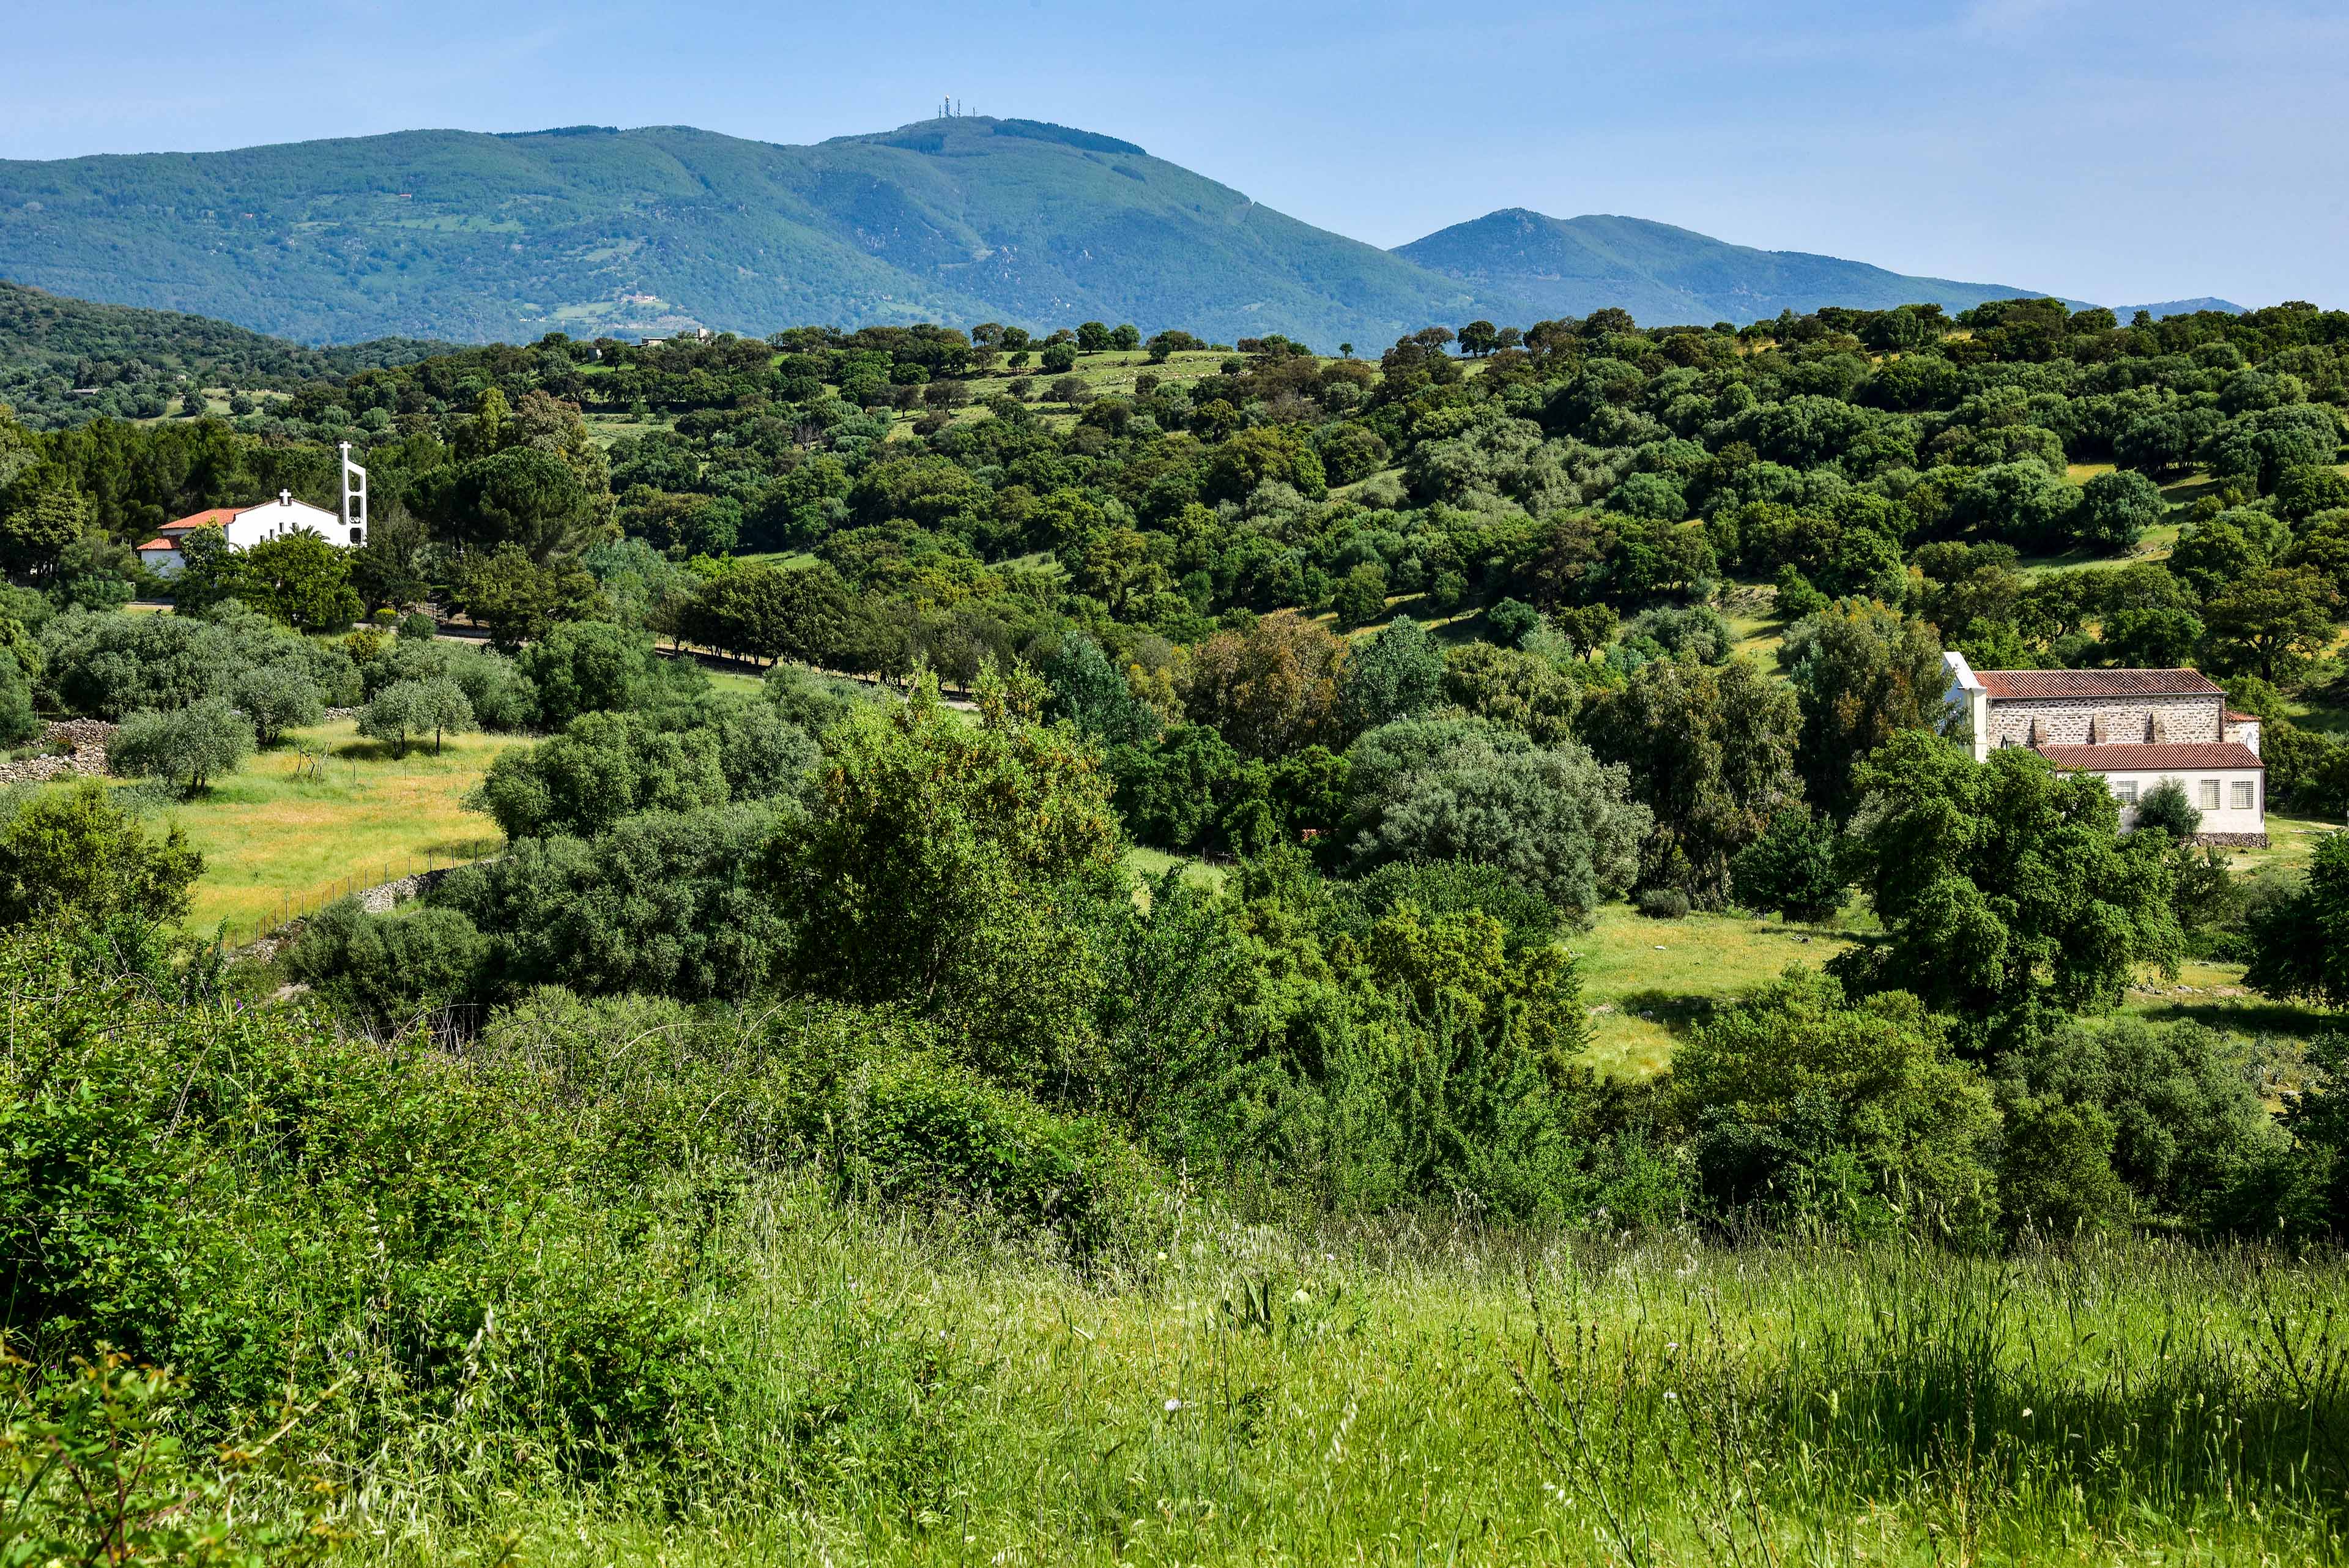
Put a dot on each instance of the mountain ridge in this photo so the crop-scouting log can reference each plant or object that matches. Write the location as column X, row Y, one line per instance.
column 474, row 235
column 1664, row 274
column 587, row 230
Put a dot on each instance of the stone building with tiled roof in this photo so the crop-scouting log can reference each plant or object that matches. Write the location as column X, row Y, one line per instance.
column 2133, row 728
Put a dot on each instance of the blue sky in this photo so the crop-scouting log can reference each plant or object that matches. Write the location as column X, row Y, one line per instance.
column 2103, row 150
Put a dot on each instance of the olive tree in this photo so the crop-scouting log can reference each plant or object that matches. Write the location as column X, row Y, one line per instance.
column 278, row 698
column 188, row 747
column 407, row 709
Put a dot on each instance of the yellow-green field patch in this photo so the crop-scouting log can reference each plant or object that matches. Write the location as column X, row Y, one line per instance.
column 1646, row 982
column 272, row 839
column 1149, row 865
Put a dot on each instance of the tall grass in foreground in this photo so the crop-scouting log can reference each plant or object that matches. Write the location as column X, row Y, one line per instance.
column 1397, row 1396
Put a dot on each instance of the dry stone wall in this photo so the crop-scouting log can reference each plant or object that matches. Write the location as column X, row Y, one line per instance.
column 80, row 751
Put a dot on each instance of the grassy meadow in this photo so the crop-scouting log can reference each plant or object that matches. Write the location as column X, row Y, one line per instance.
column 288, row 831
column 1391, row 1396
column 1648, row 981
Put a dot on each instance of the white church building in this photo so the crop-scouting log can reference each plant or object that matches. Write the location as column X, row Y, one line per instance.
column 246, row 526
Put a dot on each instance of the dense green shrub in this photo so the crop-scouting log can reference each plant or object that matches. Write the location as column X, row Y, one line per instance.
column 587, row 667
column 1435, row 1066
column 1555, row 819
column 1527, row 691
column 669, row 903
column 387, row 972
column 606, row 766
column 1663, row 903
column 2168, row 808
column 501, row 698
column 954, row 869
column 2300, row 939
column 1092, row 693
column 112, row 664
column 811, row 702
column 1174, row 793
column 1512, row 620
column 764, row 756
column 1396, row 674
column 1794, row 870
column 225, row 1175
column 2188, row 1133
column 1709, row 752
column 74, row 854
column 925, row 1131
column 1455, row 887
column 20, row 719
column 1801, row 1097
column 2055, row 1171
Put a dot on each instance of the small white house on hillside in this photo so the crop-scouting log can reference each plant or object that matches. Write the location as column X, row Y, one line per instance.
column 246, row 526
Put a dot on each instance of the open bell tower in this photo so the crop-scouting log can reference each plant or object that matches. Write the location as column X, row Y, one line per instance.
column 355, row 500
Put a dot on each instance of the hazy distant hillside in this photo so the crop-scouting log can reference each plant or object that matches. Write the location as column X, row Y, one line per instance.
column 458, row 234
column 2181, row 308
column 1571, row 266
column 65, row 359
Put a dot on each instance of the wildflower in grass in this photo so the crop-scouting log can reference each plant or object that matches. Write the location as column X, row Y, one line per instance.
column 1173, row 1406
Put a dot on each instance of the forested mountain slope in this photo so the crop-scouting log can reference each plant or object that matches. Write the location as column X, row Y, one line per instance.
column 586, row 230
column 1571, row 266
column 63, row 361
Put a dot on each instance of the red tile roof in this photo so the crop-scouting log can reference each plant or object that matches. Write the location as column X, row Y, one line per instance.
column 217, row 518
column 2235, row 718
column 2096, row 683
column 2149, row 758
column 159, row 545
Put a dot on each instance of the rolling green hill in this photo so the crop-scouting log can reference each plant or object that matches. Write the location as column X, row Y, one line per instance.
column 62, row 360
column 587, row 230
column 1571, row 266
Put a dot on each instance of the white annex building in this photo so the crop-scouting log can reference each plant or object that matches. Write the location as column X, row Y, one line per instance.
column 2133, row 728
column 246, row 526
